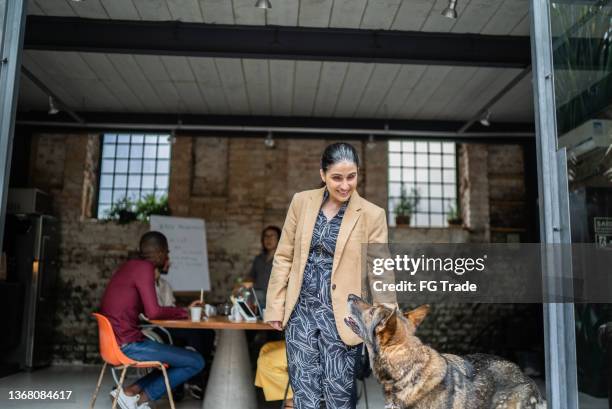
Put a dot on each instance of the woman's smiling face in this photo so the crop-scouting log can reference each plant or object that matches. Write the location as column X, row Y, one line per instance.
column 341, row 180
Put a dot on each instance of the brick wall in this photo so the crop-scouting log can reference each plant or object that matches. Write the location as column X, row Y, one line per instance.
column 238, row 186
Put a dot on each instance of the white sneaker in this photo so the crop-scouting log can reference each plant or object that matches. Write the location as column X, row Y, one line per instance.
column 127, row 402
column 144, row 405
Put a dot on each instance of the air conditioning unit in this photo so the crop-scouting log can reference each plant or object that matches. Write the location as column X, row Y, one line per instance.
column 596, row 133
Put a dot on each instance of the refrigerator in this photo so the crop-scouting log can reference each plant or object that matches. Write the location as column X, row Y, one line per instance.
column 32, row 252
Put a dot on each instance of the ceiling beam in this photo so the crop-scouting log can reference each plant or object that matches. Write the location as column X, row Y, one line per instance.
column 258, row 126
column 275, row 42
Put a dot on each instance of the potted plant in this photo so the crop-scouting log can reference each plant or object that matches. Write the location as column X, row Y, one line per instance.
column 122, row 211
column 149, row 205
column 406, row 206
column 453, row 218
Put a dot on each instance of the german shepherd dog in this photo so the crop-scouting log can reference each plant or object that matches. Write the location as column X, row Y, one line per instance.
column 416, row 376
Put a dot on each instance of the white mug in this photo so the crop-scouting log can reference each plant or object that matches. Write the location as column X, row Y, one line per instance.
column 196, row 314
column 210, row 310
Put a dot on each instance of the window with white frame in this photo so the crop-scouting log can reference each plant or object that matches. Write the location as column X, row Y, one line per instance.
column 425, row 170
column 133, row 166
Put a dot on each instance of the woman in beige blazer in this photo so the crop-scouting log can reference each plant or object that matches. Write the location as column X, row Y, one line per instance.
column 316, row 266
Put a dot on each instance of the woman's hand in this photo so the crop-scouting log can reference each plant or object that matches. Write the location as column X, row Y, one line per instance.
column 277, row 325
column 196, row 303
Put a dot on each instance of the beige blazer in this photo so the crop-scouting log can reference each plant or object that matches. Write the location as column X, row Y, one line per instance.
column 363, row 222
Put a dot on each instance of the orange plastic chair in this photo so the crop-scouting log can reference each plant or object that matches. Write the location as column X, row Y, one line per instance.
column 112, row 355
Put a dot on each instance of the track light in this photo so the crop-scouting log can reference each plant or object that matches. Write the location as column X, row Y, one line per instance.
column 52, row 108
column 263, row 4
column 371, row 144
column 269, row 141
column 486, row 119
column 451, row 10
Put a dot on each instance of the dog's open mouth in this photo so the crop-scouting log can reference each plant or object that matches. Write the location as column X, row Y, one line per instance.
column 352, row 324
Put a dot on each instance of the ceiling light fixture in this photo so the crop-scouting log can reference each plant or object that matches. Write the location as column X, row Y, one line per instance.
column 52, row 108
column 269, row 141
column 486, row 119
column 451, row 10
column 263, row 4
column 371, row 144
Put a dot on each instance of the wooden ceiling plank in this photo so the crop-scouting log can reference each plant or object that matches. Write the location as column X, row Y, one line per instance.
column 509, row 14
column 153, row 10
column 444, row 90
column 426, row 86
column 135, row 78
column 185, row 10
column 232, row 78
column 108, row 74
column 56, row 8
column 377, row 89
column 405, row 81
column 474, row 18
column 247, row 14
column 380, row 14
column 177, row 68
column 210, row 84
column 452, row 88
column 90, row 9
column 412, row 15
column 34, row 8
column 121, row 9
column 315, row 13
column 307, row 78
column 257, row 73
column 347, row 13
column 217, row 11
column 490, row 82
column 282, row 75
column 332, row 76
column 192, row 98
column 283, row 13
column 355, row 82
column 517, row 104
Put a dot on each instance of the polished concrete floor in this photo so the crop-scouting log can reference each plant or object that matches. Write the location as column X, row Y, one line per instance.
column 81, row 380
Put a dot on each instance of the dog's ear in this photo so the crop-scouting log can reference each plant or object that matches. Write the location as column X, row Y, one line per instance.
column 417, row 315
column 387, row 326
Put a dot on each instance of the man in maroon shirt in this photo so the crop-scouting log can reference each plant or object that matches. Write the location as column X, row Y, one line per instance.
column 131, row 291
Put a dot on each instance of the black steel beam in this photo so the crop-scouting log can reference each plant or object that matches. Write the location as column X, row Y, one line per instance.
column 161, row 120
column 275, row 42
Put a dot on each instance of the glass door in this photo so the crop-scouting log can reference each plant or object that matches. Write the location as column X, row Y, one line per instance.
column 581, row 47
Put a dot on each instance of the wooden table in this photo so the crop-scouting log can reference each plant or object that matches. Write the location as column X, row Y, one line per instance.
column 230, row 384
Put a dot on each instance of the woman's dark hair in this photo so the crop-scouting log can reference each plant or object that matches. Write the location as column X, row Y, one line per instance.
column 339, row 152
column 263, row 232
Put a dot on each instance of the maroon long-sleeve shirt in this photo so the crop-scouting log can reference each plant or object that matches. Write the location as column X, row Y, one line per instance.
column 131, row 291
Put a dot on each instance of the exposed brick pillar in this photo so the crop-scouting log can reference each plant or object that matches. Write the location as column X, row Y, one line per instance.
column 181, row 167
column 474, row 190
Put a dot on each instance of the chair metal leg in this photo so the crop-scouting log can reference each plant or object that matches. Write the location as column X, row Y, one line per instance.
column 365, row 393
column 120, row 385
column 170, row 397
column 95, row 395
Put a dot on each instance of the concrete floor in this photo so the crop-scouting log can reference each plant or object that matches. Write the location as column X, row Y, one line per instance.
column 82, row 381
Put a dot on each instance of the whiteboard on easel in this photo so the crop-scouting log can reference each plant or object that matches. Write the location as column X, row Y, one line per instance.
column 188, row 253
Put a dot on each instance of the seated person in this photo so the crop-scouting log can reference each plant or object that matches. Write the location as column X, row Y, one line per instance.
column 262, row 264
column 272, row 375
column 130, row 292
column 201, row 340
